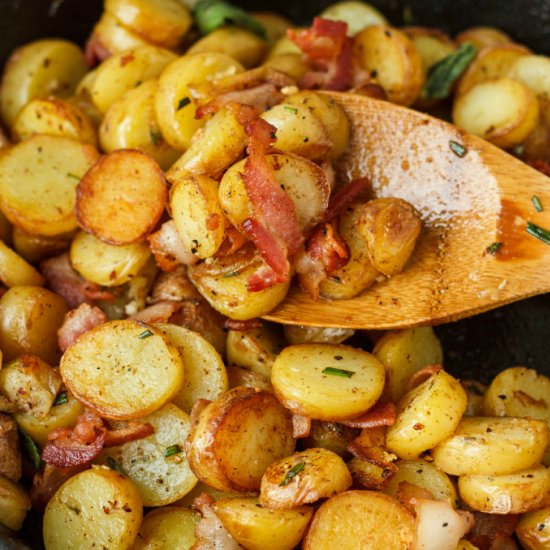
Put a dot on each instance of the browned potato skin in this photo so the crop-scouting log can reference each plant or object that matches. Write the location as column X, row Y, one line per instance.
column 217, row 430
column 331, row 435
column 10, row 451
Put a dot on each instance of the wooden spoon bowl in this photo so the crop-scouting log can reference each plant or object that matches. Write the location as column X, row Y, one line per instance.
column 470, row 195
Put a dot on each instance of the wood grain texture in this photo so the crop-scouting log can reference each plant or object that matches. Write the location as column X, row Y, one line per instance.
column 466, row 203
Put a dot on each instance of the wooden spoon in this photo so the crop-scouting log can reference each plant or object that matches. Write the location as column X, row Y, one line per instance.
column 470, row 195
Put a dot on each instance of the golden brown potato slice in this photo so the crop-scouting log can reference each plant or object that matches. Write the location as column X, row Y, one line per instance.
column 15, row 271
column 97, row 508
column 259, row 528
column 432, row 45
column 361, row 519
column 483, row 36
column 533, row 530
column 35, row 248
column 237, row 437
column 121, row 198
column 238, row 376
column 147, row 369
column 357, row 15
column 14, row 504
column 304, row 478
column 51, row 168
column 291, row 64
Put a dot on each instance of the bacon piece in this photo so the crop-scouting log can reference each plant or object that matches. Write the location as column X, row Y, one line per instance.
column 10, row 449
column 242, row 326
column 370, row 446
column 77, row 322
column 161, row 312
column 168, row 248
column 494, row 531
column 95, row 51
column 46, row 483
column 93, row 291
column 344, row 197
column 132, row 431
column 301, row 426
column 329, row 50
column 173, row 285
column 422, row 375
column 232, row 241
column 540, row 165
column 382, row 414
column 66, row 452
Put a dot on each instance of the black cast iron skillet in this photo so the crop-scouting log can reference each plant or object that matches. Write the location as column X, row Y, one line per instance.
column 480, row 347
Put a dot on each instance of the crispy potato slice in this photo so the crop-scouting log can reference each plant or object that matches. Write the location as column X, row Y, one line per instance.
column 14, row 504
column 35, row 248
column 51, row 168
column 259, row 528
column 163, row 527
column 427, row 415
column 369, row 475
column 77, row 517
column 533, row 529
column 361, row 519
column 121, row 198
column 147, row 369
column 15, row 271
column 357, row 15
column 304, row 478
column 156, row 463
column 492, row 446
column 327, row 381
column 161, row 22
column 205, row 376
column 237, row 437
column 505, row 494
column 38, row 69
column 29, row 319
column 275, row 25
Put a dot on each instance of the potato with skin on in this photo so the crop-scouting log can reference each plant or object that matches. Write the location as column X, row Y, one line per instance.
column 330, row 435
column 35, row 248
column 51, row 167
column 37, row 69
column 121, row 197
column 161, row 529
column 15, row 271
column 327, row 381
column 76, row 517
column 29, row 319
column 14, row 504
column 432, row 45
column 426, row 416
column 299, row 334
column 361, row 519
column 10, row 449
column 369, row 475
column 492, row 446
column 275, row 25
column 533, row 529
column 357, row 15
column 237, row 437
column 257, row 527
column 291, row 64
column 147, row 368
column 304, row 478
column 481, row 37
column 239, row 376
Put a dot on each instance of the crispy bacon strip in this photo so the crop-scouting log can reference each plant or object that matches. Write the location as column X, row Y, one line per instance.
column 67, row 452
column 161, row 312
column 329, row 50
column 382, row 414
column 344, row 197
column 422, row 375
column 132, row 431
column 232, row 241
column 242, row 326
column 77, row 322
column 168, row 248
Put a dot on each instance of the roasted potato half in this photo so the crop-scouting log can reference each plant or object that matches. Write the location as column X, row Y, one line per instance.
column 15, row 271
column 14, row 504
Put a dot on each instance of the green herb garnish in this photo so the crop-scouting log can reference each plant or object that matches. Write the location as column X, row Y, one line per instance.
column 292, row 473
column 536, row 203
column 31, row 447
column 145, row 334
column 446, row 72
column 74, row 176
column 156, row 137
column 213, row 14
column 538, row 232
column 493, row 248
column 457, row 148
column 292, row 110
column 183, row 102
column 114, row 465
column 61, row 398
column 172, row 450
column 338, row 372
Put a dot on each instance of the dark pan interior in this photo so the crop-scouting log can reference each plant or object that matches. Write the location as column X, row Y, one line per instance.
column 518, row 334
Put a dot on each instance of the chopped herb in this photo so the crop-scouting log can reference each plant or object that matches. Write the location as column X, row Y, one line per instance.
column 145, row 334
column 74, row 176
column 114, row 465
column 457, row 148
column 292, row 110
column 172, row 450
column 61, row 398
column 156, row 137
column 232, row 274
column 536, row 203
column 183, row 102
column 443, row 75
column 213, row 14
column 31, row 447
column 538, row 232
column 338, row 372
column 292, row 473
column 493, row 248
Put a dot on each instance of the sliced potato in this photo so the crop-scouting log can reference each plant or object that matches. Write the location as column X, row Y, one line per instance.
column 35, row 248
column 357, row 15
column 106, row 264
column 125, row 71
column 291, row 64
column 369, row 475
column 76, row 517
column 147, row 369
column 163, row 527
column 275, row 25
column 156, row 463
column 505, row 494
column 330, row 435
column 238, row 376
column 14, row 504
column 492, row 446
column 51, row 168
column 327, row 381
column 15, row 271
column 29, row 319
column 483, row 36
column 432, row 45
column 205, row 376
column 299, row 334
column 237, row 437
column 361, row 519
column 173, row 102
column 392, row 60
column 475, row 391
column 304, row 478
column 533, row 530
column 161, row 22
column 427, row 415
column 284, row 46
column 404, row 352
column 38, row 69
column 259, row 528
column 501, row 111
column 121, row 197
